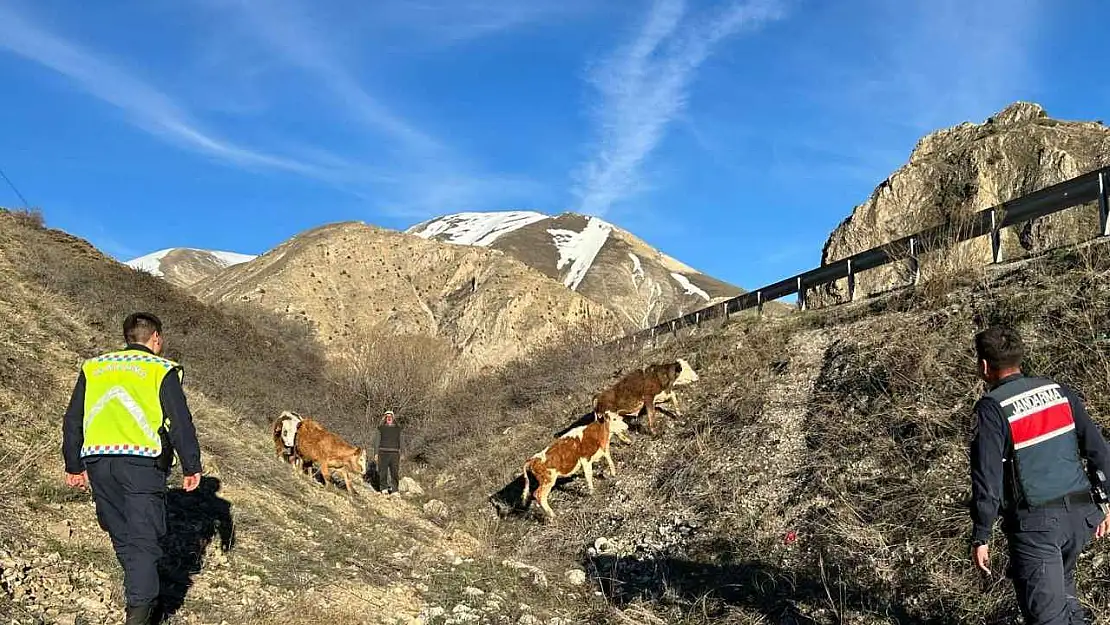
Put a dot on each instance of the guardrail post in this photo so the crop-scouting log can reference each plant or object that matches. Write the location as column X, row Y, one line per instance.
column 801, row 295
column 996, row 238
column 1104, row 203
column 915, row 264
column 697, row 319
column 759, row 303
column 851, row 282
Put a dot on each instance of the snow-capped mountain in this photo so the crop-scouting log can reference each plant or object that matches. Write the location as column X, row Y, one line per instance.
column 186, row 266
column 591, row 256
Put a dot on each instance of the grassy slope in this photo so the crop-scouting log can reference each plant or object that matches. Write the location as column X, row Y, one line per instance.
column 296, row 545
column 847, row 426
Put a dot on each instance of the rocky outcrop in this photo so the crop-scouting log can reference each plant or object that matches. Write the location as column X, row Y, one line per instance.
column 960, row 170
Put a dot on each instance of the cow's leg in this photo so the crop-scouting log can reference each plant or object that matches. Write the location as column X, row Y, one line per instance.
column 525, row 492
column 650, row 402
column 588, row 471
column 544, row 489
column 347, row 480
column 327, row 474
column 674, row 402
column 609, row 461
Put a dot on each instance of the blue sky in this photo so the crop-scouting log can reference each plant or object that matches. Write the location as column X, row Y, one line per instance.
column 733, row 135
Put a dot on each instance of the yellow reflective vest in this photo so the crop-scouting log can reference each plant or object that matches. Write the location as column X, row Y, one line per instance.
column 123, row 408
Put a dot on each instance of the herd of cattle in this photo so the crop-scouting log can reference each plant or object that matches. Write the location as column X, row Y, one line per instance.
column 305, row 444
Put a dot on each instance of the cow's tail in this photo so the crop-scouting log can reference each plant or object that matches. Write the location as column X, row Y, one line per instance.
column 527, row 486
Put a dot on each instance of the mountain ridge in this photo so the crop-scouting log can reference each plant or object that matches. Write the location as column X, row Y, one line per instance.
column 587, row 254
column 185, row 266
column 350, row 280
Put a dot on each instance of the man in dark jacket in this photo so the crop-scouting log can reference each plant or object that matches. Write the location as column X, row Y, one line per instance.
column 115, row 437
column 1027, row 466
column 389, row 453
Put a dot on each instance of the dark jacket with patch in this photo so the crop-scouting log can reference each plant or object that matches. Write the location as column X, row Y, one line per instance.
column 1032, row 436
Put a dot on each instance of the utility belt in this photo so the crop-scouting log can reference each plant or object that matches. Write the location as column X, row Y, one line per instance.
column 383, row 449
column 1067, row 501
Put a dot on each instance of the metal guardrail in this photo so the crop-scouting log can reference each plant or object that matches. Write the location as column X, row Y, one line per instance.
column 1089, row 187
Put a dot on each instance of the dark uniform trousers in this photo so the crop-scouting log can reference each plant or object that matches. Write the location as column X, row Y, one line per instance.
column 389, row 464
column 1044, row 544
column 130, row 496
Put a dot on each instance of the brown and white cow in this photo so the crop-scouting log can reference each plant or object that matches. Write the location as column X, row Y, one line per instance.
column 645, row 387
column 577, row 449
column 327, row 451
column 285, row 434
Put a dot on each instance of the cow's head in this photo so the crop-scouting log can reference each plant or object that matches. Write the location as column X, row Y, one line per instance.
column 618, row 427
column 362, row 462
column 686, row 373
column 289, row 430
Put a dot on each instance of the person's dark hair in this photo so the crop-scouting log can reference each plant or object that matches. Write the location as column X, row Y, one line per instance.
column 1000, row 346
column 139, row 327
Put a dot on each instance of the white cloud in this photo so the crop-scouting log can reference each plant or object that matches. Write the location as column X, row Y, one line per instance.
column 292, row 33
column 411, row 173
column 146, row 107
column 644, row 86
column 439, row 22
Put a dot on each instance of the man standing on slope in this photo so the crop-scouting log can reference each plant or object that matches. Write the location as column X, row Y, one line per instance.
column 114, row 437
column 389, row 453
column 1026, row 458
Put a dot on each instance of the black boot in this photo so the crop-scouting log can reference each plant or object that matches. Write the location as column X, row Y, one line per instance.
column 140, row 615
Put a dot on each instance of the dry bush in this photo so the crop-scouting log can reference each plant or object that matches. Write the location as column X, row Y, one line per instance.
column 31, row 217
column 405, row 373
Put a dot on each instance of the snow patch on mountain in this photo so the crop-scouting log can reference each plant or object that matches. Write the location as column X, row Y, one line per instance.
column 691, row 288
column 480, row 229
column 152, row 263
column 637, row 268
column 653, row 301
column 579, row 249
column 232, row 258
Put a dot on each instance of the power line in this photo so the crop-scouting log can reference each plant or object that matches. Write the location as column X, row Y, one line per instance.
column 12, row 185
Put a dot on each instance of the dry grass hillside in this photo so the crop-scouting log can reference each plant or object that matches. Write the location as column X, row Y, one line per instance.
column 256, row 544
column 349, row 281
column 819, row 474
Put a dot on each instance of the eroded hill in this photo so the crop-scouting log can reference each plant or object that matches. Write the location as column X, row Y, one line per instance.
column 349, row 281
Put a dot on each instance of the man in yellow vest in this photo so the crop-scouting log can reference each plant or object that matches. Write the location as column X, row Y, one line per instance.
column 126, row 418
